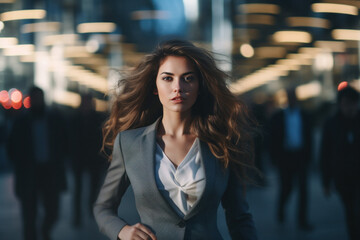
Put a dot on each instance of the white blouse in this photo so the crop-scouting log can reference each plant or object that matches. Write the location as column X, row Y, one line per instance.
column 183, row 185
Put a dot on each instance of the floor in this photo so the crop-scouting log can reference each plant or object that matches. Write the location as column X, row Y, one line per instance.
column 326, row 214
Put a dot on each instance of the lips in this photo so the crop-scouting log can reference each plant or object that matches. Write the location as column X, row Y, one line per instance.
column 177, row 99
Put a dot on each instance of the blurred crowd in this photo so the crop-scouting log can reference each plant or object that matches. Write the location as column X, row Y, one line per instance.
column 39, row 145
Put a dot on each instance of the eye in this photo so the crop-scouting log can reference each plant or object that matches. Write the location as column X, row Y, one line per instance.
column 189, row 78
column 167, row 78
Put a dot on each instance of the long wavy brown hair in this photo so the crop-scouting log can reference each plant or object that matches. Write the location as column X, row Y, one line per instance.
column 218, row 117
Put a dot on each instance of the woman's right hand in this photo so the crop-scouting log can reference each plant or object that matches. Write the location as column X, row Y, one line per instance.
column 136, row 232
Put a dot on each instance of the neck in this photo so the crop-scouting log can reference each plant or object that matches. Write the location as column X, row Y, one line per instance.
column 175, row 124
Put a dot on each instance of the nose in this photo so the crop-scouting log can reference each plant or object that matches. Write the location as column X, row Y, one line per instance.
column 177, row 86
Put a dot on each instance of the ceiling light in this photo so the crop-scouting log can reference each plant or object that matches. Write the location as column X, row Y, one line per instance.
column 40, row 27
column 299, row 56
column 355, row 3
column 67, row 98
column 292, row 36
column 23, row 14
column 346, row 34
column 259, row 8
column 257, row 79
column 19, row 50
column 313, row 51
column 76, row 51
column 270, row 52
column 308, row 22
column 247, row 50
column 255, row 19
column 355, row 84
column 67, row 39
column 334, row 8
column 334, row 46
column 6, row 42
column 246, row 33
column 96, row 27
column 101, row 105
column 291, row 64
column 309, row 90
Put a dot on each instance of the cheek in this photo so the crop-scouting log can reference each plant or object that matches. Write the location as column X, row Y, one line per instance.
column 195, row 89
column 161, row 91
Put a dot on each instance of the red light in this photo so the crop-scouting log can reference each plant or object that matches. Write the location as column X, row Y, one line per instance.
column 4, row 96
column 27, row 102
column 16, row 105
column 6, row 105
column 16, row 96
column 342, row 85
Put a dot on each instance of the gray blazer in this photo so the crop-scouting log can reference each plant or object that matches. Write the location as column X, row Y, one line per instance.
column 133, row 163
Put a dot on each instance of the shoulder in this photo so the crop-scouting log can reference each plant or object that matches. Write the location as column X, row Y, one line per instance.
column 133, row 135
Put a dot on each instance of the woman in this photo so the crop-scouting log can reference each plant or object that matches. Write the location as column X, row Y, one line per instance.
column 183, row 142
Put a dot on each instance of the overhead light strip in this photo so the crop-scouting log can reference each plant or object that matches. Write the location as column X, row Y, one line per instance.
column 346, row 34
column 23, row 14
column 19, row 50
column 6, row 42
column 308, row 22
column 259, row 8
column 292, row 36
column 40, row 27
column 334, row 8
column 103, row 27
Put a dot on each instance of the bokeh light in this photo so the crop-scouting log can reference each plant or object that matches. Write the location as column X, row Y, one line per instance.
column 4, row 96
column 16, row 105
column 6, row 105
column 16, row 96
column 247, row 50
column 342, row 85
column 27, row 102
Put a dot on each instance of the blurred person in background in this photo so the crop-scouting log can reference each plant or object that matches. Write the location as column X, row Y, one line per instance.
column 37, row 146
column 86, row 142
column 184, row 143
column 340, row 157
column 290, row 147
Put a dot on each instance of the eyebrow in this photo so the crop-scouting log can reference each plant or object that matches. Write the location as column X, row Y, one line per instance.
column 169, row 73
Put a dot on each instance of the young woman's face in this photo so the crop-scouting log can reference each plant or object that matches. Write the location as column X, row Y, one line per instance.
column 177, row 84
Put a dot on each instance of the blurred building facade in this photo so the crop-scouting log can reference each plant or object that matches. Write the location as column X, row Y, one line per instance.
column 68, row 47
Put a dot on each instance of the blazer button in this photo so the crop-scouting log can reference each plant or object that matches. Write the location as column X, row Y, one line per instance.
column 182, row 224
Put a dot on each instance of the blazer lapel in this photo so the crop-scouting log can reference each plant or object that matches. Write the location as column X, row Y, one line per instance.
column 209, row 161
column 148, row 146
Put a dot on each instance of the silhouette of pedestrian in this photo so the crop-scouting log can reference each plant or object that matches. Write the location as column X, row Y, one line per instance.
column 86, row 145
column 36, row 147
column 290, row 150
column 340, row 157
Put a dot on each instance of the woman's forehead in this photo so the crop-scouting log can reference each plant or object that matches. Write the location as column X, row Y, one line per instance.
column 176, row 63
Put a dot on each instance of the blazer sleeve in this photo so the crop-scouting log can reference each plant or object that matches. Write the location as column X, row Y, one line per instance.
column 115, row 184
column 238, row 218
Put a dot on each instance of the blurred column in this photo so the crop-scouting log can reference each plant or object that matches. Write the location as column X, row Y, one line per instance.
column 323, row 67
column 222, row 32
